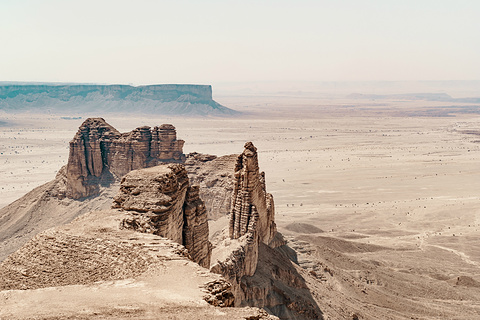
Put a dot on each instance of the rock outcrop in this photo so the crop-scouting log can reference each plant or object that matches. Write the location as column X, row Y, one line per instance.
column 195, row 228
column 214, row 175
column 160, row 200
column 92, row 268
column 99, row 154
column 253, row 256
column 251, row 220
column 253, row 208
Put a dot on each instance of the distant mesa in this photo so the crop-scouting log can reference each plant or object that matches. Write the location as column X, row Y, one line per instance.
column 165, row 99
column 441, row 97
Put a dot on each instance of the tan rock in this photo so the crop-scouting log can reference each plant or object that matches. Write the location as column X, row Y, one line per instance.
column 251, row 254
column 195, row 228
column 160, row 200
column 251, row 221
column 214, row 175
column 92, row 269
column 253, row 208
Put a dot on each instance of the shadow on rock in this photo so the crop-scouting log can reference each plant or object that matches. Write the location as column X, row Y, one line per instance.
column 279, row 287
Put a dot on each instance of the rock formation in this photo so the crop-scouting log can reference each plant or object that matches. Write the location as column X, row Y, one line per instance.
column 253, row 256
column 157, row 200
column 195, row 228
column 173, row 99
column 160, row 200
column 92, row 268
column 253, row 208
column 99, row 154
column 251, row 219
column 214, row 175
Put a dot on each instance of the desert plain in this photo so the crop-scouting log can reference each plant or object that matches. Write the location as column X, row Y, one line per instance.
column 380, row 199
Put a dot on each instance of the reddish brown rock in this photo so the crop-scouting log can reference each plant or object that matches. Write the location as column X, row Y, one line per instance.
column 85, row 162
column 99, row 154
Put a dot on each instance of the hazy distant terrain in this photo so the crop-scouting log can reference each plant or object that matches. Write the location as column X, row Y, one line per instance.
column 171, row 99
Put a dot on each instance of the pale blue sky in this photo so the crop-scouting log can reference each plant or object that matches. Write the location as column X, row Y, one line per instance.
column 208, row 41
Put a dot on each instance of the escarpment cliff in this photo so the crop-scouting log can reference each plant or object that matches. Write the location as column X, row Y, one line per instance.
column 168, row 99
column 93, row 268
column 250, row 198
column 99, row 157
column 160, row 200
column 214, row 175
column 250, row 253
column 99, row 154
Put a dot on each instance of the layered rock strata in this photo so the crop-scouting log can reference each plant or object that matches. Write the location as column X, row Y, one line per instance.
column 99, row 154
column 160, row 200
column 195, row 228
column 251, row 221
column 253, row 208
column 251, row 253
column 214, row 175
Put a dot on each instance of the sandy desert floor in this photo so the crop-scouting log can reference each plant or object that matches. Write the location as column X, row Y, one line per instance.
column 377, row 173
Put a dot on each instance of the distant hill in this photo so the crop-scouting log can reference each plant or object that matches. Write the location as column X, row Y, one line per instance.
column 414, row 96
column 166, row 99
column 404, row 96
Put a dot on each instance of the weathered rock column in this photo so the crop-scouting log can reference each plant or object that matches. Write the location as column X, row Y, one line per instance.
column 250, row 201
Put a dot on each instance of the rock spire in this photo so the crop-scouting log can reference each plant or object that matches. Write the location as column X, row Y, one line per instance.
column 252, row 207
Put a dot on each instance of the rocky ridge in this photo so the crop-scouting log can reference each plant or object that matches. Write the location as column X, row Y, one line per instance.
column 253, row 256
column 99, row 157
column 92, row 268
column 160, row 200
column 100, row 154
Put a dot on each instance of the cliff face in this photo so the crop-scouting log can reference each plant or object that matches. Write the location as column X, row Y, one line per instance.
column 253, row 209
column 251, row 220
column 99, row 154
column 165, row 92
column 92, row 268
column 160, row 200
column 252, row 255
column 214, row 175
column 195, row 228
column 158, row 99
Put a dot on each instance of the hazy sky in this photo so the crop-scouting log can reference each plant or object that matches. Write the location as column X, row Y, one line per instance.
column 207, row 41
